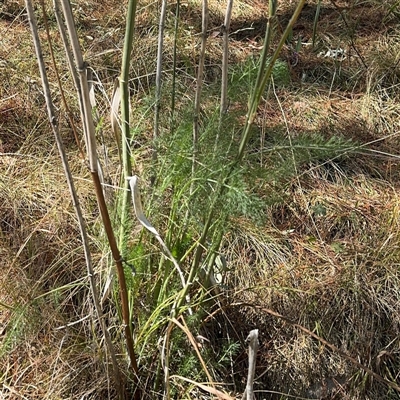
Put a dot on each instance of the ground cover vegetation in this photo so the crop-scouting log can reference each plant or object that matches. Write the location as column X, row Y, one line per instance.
column 267, row 199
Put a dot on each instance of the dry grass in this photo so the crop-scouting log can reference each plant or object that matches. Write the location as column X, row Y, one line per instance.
column 44, row 283
column 330, row 265
column 327, row 256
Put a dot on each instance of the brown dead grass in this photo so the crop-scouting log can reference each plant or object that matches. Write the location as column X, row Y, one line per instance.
column 333, row 273
column 44, row 283
column 327, row 258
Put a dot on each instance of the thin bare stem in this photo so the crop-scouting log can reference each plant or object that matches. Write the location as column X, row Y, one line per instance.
column 89, row 132
column 125, row 125
column 199, row 85
column 253, row 348
column 120, row 269
column 159, row 70
column 165, row 353
column 225, row 59
column 67, row 51
column 81, row 67
column 173, row 94
column 264, row 77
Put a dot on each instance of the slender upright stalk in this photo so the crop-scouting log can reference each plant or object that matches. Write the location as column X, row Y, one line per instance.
column 75, row 201
column 74, row 74
column 225, row 59
column 269, row 32
column 69, row 57
column 173, row 94
column 264, row 78
column 199, row 85
column 90, row 139
column 84, row 88
column 223, row 109
column 253, row 348
column 315, row 24
column 125, row 126
column 159, row 70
